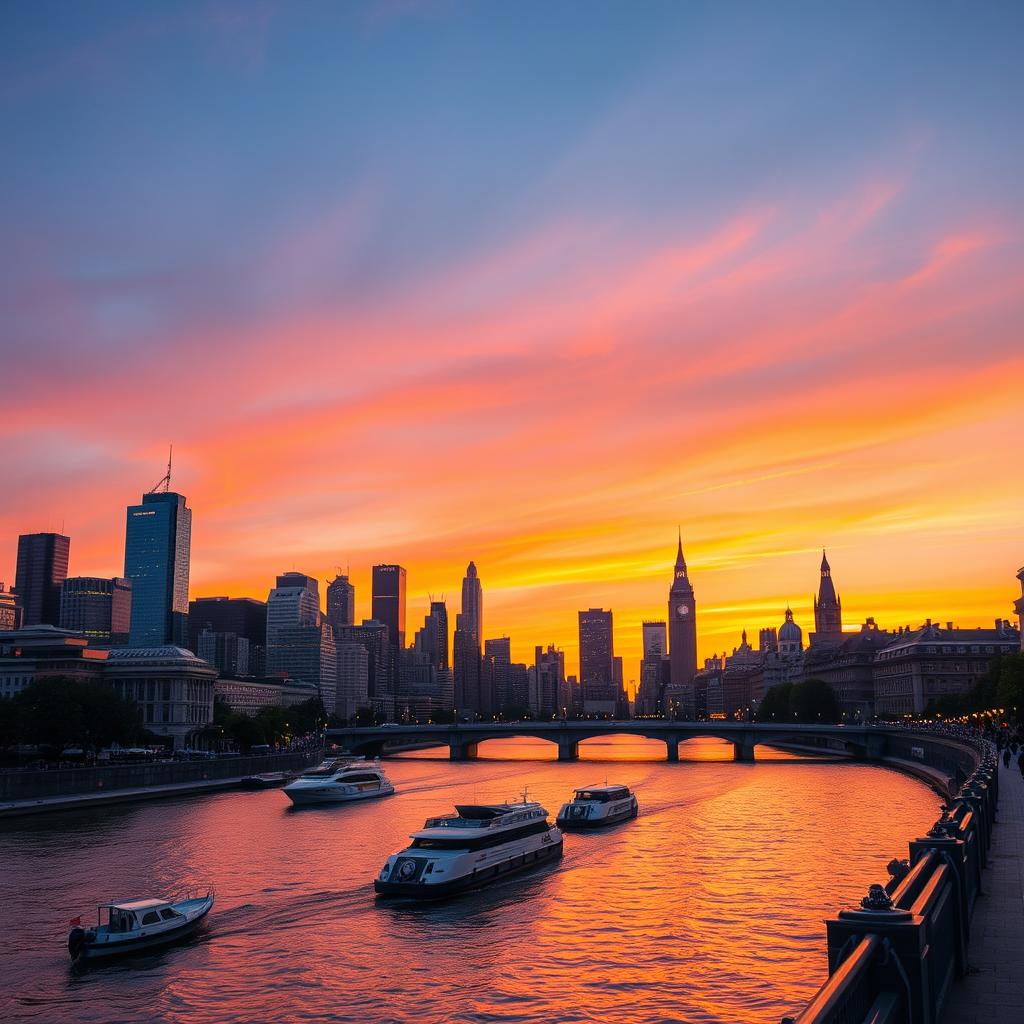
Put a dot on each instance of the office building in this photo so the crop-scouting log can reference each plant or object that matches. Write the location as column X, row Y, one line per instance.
column 10, row 611
column 472, row 604
column 380, row 668
column 234, row 619
column 547, row 695
column 353, row 679
column 389, row 602
column 41, row 570
column 98, row 608
column 158, row 537
column 431, row 641
column 43, row 652
column 341, row 602
column 597, row 663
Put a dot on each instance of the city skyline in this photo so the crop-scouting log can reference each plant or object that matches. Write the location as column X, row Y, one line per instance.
column 662, row 281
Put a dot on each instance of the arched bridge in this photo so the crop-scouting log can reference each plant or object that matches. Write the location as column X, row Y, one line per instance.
column 462, row 740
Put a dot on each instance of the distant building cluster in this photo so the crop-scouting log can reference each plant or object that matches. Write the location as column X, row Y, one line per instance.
column 140, row 633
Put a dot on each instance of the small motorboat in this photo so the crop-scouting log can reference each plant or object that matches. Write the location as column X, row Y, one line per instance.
column 596, row 807
column 134, row 925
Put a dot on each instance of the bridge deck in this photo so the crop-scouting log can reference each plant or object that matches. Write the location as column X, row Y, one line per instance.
column 994, row 993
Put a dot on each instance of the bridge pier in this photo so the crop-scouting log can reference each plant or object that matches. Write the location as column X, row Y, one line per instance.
column 568, row 750
column 459, row 751
column 672, row 746
column 743, row 750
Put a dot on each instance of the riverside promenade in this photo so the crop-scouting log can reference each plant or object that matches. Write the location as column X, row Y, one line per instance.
column 993, row 991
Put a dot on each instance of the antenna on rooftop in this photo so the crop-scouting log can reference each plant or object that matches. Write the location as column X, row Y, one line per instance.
column 164, row 484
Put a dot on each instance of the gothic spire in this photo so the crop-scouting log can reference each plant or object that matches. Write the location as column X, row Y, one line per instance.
column 826, row 569
column 680, row 561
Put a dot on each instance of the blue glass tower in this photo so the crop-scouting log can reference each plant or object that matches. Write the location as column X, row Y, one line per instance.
column 158, row 538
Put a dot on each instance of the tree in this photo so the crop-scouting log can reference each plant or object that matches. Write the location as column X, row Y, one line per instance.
column 1010, row 683
column 813, row 700
column 775, row 706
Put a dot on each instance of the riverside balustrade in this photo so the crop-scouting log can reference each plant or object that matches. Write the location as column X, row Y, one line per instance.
column 893, row 959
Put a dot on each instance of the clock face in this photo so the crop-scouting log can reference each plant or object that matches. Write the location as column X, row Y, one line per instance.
column 682, row 610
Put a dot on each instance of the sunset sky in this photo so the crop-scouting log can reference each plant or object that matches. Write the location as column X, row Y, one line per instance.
column 529, row 284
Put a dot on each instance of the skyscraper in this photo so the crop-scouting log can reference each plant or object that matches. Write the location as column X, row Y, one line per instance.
column 432, row 640
column 472, row 604
column 828, row 609
column 468, row 697
column 498, row 652
column 373, row 636
column 682, row 629
column 158, row 537
column 597, row 662
column 42, row 569
column 231, row 620
column 341, row 602
column 98, row 607
column 389, row 602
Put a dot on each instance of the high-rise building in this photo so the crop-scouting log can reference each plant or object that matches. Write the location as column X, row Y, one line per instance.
column 655, row 639
column 158, row 537
column 682, row 629
column 389, row 602
column 373, row 636
column 341, row 602
column 233, row 619
column 547, row 698
column 10, row 612
column 431, row 642
column 828, row 609
column 470, row 698
column 227, row 652
column 597, row 663
column 498, row 653
column 300, row 645
column 98, row 607
column 473, row 604
column 42, row 569
column 353, row 679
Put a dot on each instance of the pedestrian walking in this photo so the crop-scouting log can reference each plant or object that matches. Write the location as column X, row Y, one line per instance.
column 1006, row 758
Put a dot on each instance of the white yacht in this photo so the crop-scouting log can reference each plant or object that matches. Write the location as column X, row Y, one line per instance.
column 474, row 847
column 340, row 780
column 597, row 806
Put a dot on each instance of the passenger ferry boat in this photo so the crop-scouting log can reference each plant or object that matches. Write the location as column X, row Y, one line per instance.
column 340, row 780
column 476, row 846
column 134, row 925
column 598, row 806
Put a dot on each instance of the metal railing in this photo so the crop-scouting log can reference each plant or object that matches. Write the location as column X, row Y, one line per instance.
column 893, row 959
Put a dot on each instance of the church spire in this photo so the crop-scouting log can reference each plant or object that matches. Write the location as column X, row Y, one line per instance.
column 826, row 569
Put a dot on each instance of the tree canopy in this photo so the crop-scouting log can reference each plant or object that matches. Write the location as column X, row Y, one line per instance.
column 812, row 700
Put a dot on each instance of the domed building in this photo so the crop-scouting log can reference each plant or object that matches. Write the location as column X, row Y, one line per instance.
column 791, row 637
column 172, row 686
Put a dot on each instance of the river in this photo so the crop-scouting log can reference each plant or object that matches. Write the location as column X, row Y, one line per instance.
column 708, row 907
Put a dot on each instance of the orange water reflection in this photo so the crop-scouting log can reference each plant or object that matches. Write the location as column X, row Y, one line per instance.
column 706, row 908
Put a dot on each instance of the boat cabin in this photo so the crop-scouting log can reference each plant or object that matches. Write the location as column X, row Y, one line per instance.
column 133, row 915
column 602, row 794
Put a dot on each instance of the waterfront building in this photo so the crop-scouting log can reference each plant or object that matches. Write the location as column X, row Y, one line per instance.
column 236, row 619
column 849, row 669
column 498, row 653
column 741, row 670
column 44, row 651
column 389, row 602
column 353, row 679
column 597, row 663
column 158, row 537
column 373, row 636
column 682, row 618
column 173, row 688
column 517, row 700
column 547, row 696
column 828, row 609
column 923, row 665
column 341, row 602
column 97, row 607
column 41, row 570
column 654, row 668
column 250, row 696
column 10, row 611
column 470, row 696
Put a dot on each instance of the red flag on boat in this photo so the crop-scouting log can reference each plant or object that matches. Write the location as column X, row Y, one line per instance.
column 75, row 921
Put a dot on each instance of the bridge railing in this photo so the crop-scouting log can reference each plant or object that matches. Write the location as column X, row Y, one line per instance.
column 894, row 958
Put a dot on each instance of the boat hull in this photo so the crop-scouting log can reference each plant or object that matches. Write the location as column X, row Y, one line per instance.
column 479, row 879
column 310, row 798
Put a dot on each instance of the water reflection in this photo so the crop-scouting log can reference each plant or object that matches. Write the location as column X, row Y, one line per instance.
column 707, row 907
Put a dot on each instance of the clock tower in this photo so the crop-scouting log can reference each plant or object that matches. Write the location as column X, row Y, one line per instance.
column 682, row 625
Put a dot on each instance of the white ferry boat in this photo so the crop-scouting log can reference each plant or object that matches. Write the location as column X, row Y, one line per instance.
column 474, row 847
column 597, row 806
column 134, row 925
column 340, row 780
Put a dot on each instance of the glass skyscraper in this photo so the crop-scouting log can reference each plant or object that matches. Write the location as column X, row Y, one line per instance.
column 158, row 539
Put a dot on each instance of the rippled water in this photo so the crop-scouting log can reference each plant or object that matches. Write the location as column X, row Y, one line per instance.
column 708, row 907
